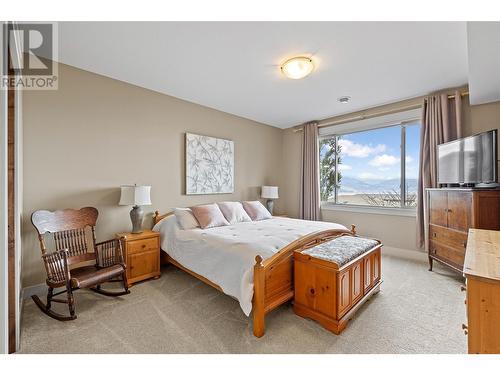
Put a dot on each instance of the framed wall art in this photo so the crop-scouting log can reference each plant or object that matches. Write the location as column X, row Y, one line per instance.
column 209, row 165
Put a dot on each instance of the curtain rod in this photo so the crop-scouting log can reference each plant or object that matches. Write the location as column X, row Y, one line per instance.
column 371, row 115
column 363, row 117
column 465, row 93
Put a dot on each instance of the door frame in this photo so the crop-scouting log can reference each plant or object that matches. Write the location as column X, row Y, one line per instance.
column 11, row 179
column 11, row 204
column 4, row 290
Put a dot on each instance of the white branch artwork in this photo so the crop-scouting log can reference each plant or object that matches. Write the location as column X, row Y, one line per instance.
column 209, row 165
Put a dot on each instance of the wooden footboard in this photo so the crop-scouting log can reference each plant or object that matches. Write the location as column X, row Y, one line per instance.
column 273, row 277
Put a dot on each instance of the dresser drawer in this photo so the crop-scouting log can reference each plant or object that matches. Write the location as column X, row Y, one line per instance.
column 140, row 246
column 448, row 237
column 447, row 253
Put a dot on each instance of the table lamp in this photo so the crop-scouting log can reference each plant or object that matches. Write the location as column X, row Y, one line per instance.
column 270, row 193
column 136, row 196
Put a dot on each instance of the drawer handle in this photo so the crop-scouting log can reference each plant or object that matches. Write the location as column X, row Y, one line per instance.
column 311, row 291
column 463, row 288
column 434, row 234
column 143, row 246
column 464, row 327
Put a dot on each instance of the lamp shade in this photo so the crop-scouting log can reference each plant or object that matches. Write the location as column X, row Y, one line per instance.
column 269, row 192
column 133, row 195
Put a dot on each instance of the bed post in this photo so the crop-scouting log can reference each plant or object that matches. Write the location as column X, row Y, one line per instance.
column 258, row 298
column 353, row 229
column 156, row 215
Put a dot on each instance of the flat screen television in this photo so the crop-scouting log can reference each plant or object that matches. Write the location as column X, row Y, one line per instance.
column 469, row 161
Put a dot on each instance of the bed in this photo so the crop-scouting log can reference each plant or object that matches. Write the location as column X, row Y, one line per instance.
column 257, row 257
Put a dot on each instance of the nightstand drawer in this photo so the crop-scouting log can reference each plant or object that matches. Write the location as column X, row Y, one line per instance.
column 143, row 265
column 140, row 246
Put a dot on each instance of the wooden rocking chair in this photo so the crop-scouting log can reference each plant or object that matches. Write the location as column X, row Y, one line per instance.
column 70, row 231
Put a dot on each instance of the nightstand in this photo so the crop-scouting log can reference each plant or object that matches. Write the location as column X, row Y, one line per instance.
column 141, row 252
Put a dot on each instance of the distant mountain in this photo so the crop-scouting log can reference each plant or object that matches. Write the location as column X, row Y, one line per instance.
column 352, row 185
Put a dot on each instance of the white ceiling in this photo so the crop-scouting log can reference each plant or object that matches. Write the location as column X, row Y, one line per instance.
column 234, row 66
column 484, row 61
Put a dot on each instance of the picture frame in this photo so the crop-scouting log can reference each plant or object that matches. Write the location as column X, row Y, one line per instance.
column 209, row 165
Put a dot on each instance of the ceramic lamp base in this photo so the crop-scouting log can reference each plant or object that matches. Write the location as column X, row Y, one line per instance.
column 270, row 205
column 136, row 215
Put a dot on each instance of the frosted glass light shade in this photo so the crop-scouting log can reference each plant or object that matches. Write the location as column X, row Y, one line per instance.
column 297, row 67
column 133, row 195
column 269, row 192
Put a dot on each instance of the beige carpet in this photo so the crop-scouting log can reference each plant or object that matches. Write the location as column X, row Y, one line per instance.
column 417, row 311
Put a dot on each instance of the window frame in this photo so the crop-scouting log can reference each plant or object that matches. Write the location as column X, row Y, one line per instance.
column 402, row 209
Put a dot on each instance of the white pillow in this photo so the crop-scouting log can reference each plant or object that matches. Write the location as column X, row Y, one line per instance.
column 233, row 212
column 256, row 210
column 185, row 218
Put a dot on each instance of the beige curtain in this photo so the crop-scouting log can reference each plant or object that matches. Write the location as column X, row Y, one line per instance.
column 441, row 122
column 309, row 188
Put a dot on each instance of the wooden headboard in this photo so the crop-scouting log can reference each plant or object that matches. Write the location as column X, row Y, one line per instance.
column 157, row 217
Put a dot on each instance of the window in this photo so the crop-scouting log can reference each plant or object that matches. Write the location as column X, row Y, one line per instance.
column 377, row 167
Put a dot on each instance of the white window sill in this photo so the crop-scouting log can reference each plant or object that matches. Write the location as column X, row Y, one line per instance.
column 393, row 211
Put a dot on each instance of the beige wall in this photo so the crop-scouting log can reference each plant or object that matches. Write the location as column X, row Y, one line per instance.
column 480, row 118
column 94, row 134
column 292, row 149
column 397, row 231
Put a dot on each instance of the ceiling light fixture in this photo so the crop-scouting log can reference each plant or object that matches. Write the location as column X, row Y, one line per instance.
column 344, row 99
column 297, row 67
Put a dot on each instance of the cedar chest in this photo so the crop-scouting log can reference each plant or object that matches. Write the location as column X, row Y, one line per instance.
column 333, row 279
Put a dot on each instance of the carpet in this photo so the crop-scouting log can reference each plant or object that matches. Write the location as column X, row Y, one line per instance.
column 417, row 311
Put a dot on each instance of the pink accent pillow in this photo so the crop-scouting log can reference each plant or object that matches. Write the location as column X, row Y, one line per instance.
column 233, row 212
column 209, row 216
column 256, row 210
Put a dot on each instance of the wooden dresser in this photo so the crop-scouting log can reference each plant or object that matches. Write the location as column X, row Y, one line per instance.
column 482, row 273
column 452, row 212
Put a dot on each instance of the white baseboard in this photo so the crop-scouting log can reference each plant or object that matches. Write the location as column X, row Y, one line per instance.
column 405, row 253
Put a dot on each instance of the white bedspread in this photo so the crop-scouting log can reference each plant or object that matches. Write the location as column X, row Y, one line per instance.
column 226, row 255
